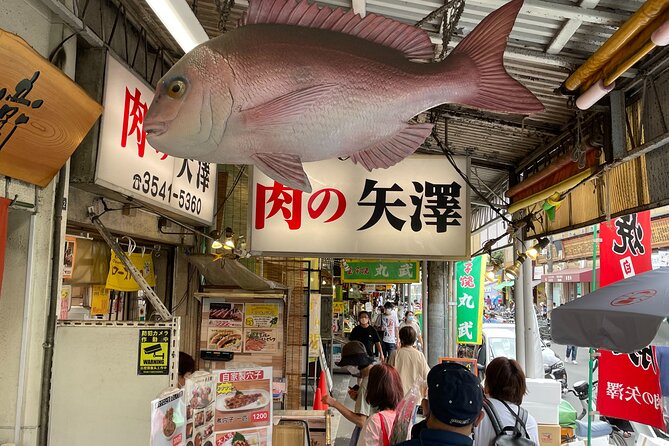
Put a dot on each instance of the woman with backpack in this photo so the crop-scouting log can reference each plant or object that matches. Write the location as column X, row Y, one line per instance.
column 504, row 390
column 384, row 392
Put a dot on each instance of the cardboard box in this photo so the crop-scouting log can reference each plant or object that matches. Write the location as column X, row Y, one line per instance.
column 543, row 413
column 549, row 435
column 543, row 391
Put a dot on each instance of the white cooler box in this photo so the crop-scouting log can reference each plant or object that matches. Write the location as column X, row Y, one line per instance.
column 542, row 400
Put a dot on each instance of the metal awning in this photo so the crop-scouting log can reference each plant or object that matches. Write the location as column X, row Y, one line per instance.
column 570, row 275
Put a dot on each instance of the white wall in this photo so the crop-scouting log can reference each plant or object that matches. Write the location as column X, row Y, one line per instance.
column 32, row 21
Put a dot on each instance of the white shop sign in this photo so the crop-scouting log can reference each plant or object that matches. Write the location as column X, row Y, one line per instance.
column 417, row 209
column 128, row 164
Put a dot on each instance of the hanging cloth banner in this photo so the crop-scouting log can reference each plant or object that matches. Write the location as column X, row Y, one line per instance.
column 119, row 278
column 629, row 387
column 469, row 278
column 4, row 212
column 625, row 247
column 629, row 384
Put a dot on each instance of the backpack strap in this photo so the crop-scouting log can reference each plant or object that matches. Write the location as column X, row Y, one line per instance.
column 521, row 419
column 492, row 414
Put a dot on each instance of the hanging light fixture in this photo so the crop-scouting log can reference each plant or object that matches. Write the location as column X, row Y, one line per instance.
column 493, row 269
column 216, row 239
column 229, row 240
column 535, row 250
column 512, row 272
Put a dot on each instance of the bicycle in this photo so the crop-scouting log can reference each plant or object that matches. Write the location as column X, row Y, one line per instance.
column 599, row 428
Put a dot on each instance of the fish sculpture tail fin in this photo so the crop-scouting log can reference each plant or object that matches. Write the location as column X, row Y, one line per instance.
column 485, row 45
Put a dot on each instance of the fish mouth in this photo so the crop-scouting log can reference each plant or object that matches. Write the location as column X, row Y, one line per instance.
column 155, row 128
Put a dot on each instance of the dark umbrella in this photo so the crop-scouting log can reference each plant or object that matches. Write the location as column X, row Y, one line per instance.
column 625, row 316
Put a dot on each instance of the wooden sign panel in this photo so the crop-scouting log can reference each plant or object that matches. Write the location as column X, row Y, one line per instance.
column 44, row 115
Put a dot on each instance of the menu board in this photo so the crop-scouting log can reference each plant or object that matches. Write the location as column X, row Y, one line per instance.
column 168, row 416
column 261, row 316
column 200, row 399
column 261, row 340
column 244, row 407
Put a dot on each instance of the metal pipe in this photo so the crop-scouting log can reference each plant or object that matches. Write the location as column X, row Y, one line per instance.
column 56, row 266
column 519, row 300
column 23, row 359
column 629, row 63
column 423, row 301
column 648, row 12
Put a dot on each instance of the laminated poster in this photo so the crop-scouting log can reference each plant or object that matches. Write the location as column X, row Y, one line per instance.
column 168, row 420
column 244, row 407
column 261, row 340
column 261, row 316
column 226, row 339
column 225, row 314
column 200, row 404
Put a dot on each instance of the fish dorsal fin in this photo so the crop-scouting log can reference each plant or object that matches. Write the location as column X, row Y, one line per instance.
column 394, row 149
column 413, row 42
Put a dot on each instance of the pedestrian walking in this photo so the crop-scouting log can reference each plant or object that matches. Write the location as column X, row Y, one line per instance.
column 409, row 362
column 410, row 321
column 384, row 392
column 365, row 333
column 571, row 352
column 455, row 401
column 505, row 387
column 391, row 329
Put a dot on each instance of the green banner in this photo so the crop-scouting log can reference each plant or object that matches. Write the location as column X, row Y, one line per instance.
column 469, row 286
column 380, row 271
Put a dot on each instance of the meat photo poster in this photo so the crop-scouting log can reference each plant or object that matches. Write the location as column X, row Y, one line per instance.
column 200, row 399
column 244, row 407
column 168, row 414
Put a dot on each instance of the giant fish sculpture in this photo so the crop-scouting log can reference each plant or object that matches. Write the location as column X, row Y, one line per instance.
column 296, row 82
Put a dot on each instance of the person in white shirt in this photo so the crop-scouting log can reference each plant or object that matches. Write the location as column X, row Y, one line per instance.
column 504, row 382
column 391, row 329
column 410, row 321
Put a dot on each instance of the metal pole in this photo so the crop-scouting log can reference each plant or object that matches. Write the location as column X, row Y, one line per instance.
column 591, row 351
column 549, row 285
column 533, row 365
column 519, row 299
column 423, row 296
column 452, row 312
column 436, row 311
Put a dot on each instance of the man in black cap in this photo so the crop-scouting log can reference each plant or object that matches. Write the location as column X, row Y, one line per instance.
column 355, row 359
column 455, row 406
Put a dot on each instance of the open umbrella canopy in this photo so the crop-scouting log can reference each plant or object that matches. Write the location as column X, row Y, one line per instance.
column 624, row 316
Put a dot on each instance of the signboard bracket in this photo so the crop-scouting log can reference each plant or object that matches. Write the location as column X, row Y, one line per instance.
column 134, row 272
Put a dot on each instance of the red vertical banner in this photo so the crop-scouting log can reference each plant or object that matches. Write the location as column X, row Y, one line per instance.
column 4, row 212
column 625, row 249
column 629, row 387
column 629, row 384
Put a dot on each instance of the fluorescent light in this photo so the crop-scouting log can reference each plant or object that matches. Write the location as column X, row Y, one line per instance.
column 180, row 21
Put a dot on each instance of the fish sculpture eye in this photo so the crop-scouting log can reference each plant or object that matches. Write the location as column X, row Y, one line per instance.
column 176, row 89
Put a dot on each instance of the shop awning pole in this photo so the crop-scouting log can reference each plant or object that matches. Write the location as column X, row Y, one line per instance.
column 134, row 272
column 591, row 351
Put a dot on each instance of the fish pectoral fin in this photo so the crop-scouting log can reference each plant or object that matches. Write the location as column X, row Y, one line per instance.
column 284, row 168
column 392, row 150
column 285, row 109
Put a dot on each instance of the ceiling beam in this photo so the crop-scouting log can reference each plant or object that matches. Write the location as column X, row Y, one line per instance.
column 569, row 29
column 552, row 10
column 359, row 7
